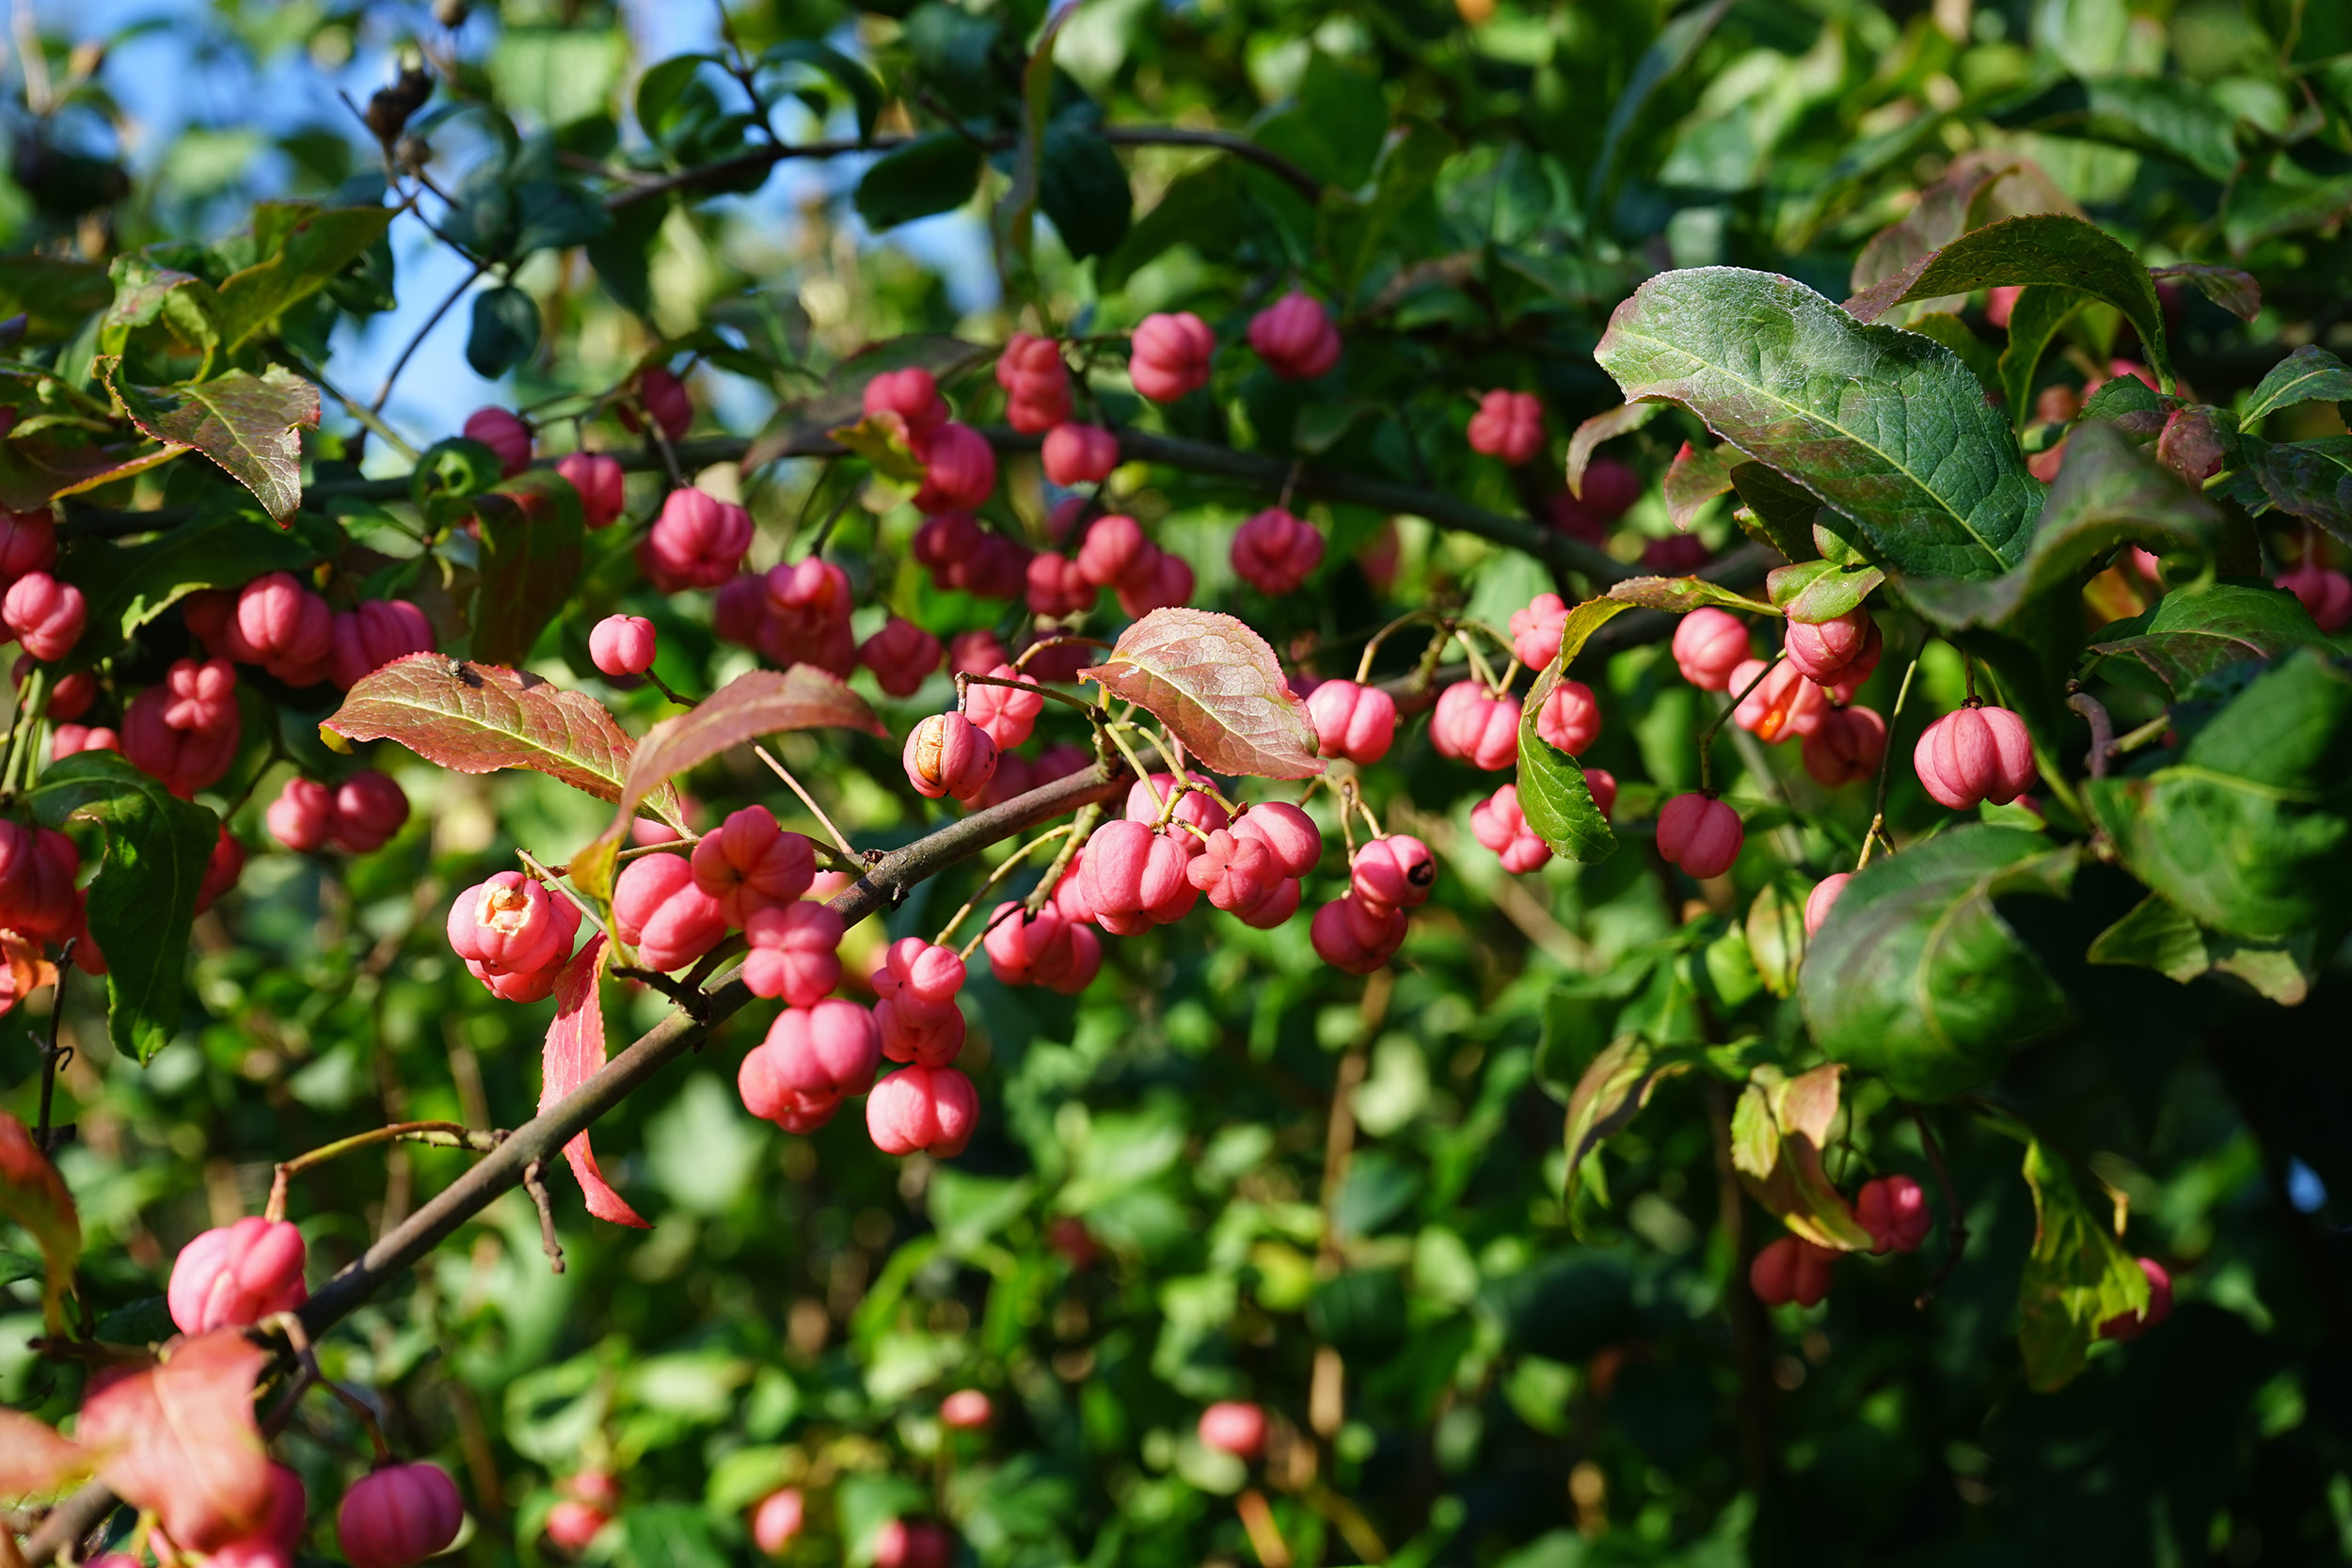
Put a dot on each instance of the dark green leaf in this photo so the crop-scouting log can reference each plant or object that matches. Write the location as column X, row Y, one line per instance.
column 2157, row 935
column 54, row 294
column 2309, row 375
column 843, row 71
column 2310, row 480
column 505, row 330
column 1775, row 511
column 248, row 424
column 2249, row 828
column 1552, row 792
column 2076, row 1278
column 2176, row 116
column 1887, row 427
column 2258, row 210
column 1956, row 335
column 1916, row 978
column 147, row 294
column 1696, row 476
column 2045, row 247
column 303, row 248
column 2194, row 631
column 934, row 173
column 2041, row 311
column 1775, row 928
column 662, row 88
column 1619, row 420
column 1817, row 591
column 1203, row 209
column 1612, row 1091
column 1335, row 128
column 127, row 586
column 1779, row 1129
column 1081, row 187
column 143, row 899
column 532, row 536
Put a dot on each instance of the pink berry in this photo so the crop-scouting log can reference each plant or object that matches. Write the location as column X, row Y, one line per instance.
column 1675, row 554
column 697, row 541
column 750, row 863
column 1295, row 338
column 1356, row 937
column 1791, row 1269
column 657, row 909
column 1237, row 874
column 808, row 598
column 1235, row 1428
column 1115, row 552
column 274, row 1544
column 1508, row 425
column 1471, row 724
column 1535, row 630
column 1784, row 705
column 776, row 1520
column 70, row 696
column 1397, row 870
column 999, row 569
column 1894, row 1209
column 369, row 809
column 189, row 755
column 399, row 1516
column 976, row 653
column 603, row 486
column 914, row 1544
column 1709, row 646
column 1057, row 586
column 1974, row 754
column 362, row 641
column 572, row 1523
column 1824, row 895
column 1356, row 723
column 1020, row 944
column 933, row 1109
column 38, row 866
column 72, row 740
column 948, row 754
column 2326, row 595
column 283, row 626
column 920, row 972
column 505, row 435
column 1821, row 651
column 513, row 935
column 28, row 543
column 200, row 697
column 1846, row 748
column 1170, row 583
column 302, row 814
column 622, row 646
column 1699, row 834
column 795, row 952
column 1280, row 902
column 1500, row 825
column 1602, row 785
column 2159, row 1306
column 831, row 1048
column 966, row 1410
column 1274, row 552
column 1570, row 717
column 912, row 394
column 1195, row 806
column 959, row 469
column 739, row 613
column 665, row 398
column 45, row 614
column 1079, row 455
column 1290, row 832
column 1171, row 356
column 1036, row 383
column 1128, row 868
column 902, row 657
column 236, row 1276
column 945, row 542
column 1007, row 714
column 222, row 871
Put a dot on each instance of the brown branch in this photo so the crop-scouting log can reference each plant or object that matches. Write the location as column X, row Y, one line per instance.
column 541, row 1140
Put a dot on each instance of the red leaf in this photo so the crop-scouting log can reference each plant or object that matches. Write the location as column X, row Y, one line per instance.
column 35, row 1461
column 181, row 1439
column 35, row 1197
column 575, row 1053
column 758, row 703
column 1217, row 684
column 479, row 717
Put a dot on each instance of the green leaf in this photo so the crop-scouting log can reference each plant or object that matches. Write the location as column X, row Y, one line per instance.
column 303, row 248
column 1962, row 339
column 1775, row 928
column 1082, row 186
column 1557, row 801
column 143, row 899
column 2259, row 208
column 1335, row 128
column 1203, row 209
column 1680, row 595
column 1625, row 418
column 1886, row 427
column 248, row 424
column 127, row 586
column 1813, row 592
column 669, row 1535
column 2034, row 321
column 2108, row 494
column 2191, row 632
column 843, row 71
column 2249, row 828
column 2044, row 247
column 561, row 75
column 2233, row 290
column 505, row 330
column 37, row 470
column 54, row 294
column 1778, row 1130
column 2076, row 1278
column 1775, row 511
column 532, row 538
column 1916, row 977
column 2158, row 935
column 2309, row 375
column 2310, row 480
column 147, row 295
column 1408, row 169
column 933, row 173
column 1612, row 1091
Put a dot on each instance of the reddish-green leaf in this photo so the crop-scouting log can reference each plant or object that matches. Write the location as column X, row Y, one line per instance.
column 1680, row 595
column 34, row 1195
column 1217, row 686
column 1696, row 476
column 531, row 535
column 1604, row 427
column 2233, row 290
column 756, row 702
column 250, row 425
column 37, row 470
column 1612, row 1093
column 181, row 1439
column 1778, row 1130
column 36, row 1461
column 480, row 718
column 575, row 1053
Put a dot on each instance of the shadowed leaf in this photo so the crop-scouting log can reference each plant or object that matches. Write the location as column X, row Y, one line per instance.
column 1553, row 796
column 248, row 424
column 531, row 535
column 2194, row 631
column 1604, row 427
column 1693, row 479
column 128, row 586
column 2309, row 375
column 2076, row 1278
column 36, row 1460
column 1218, row 686
column 1612, row 1091
column 1680, row 595
column 34, row 1195
column 2233, row 290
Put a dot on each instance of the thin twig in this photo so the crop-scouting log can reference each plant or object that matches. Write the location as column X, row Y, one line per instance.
column 2095, row 713
column 384, row 393
column 538, row 1188
column 1877, row 831
column 52, row 1058
column 840, row 839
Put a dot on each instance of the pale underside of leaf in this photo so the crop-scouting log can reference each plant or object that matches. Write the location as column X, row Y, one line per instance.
column 1218, row 687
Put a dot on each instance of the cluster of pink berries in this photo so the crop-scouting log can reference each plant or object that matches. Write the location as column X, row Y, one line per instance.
column 44, row 614
column 358, row 816
column 1893, row 1209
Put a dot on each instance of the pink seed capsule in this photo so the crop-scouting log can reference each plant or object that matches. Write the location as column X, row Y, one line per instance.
column 1821, row 652
column 959, row 469
column 1235, row 1428
column 1500, row 825
column 301, row 815
column 1894, row 1209
column 1699, row 834
column 1784, row 705
column 398, row 1516
column 1290, row 832
column 1195, row 806
column 902, row 656
column 512, row 925
column 1114, row 553
column 1168, row 584
column 948, row 754
column 184, row 756
column 1471, row 724
column 1280, row 902
column 365, row 639
column 603, row 486
column 1122, row 876
column 1397, row 870
column 1235, row 873
column 1169, row 356
column 1079, row 455
column 1570, row 717
column 966, row 1410
column 919, row 971
column 1846, row 748
column 1974, row 754
column 1023, row 947
column 1535, row 630
column 1356, row 937
column 1508, row 425
column 1824, row 895
column 657, row 909
column 1297, row 337
column 505, row 435
column 751, row 863
column 622, row 646
column 2326, row 595
column 1602, row 785
column 1008, row 715
column 1274, row 552
column 795, row 952
column 1709, row 646
column 44, row 614
column 1356, row 723
column 1057, row 586
column 1035, row 383
column 28, row 543
column 72, row 739
column 1791, row 1269
column 666, row 399
column 912, row 394
column 914, row 1544
column 369, row 809
column 931, row 1109
column 236, row 1276
column 832, row 1048
column 776, row 1520
column 697, row 541
column 2159, row 1306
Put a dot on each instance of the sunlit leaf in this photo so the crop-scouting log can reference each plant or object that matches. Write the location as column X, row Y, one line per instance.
column 1217, row 686
column 181, row 1439
column 34, row 1195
